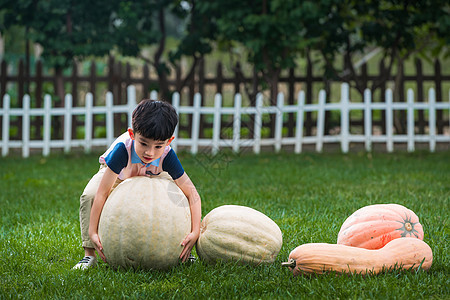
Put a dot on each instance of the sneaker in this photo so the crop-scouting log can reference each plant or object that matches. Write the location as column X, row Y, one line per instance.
column 191, row 259
column 86, row 263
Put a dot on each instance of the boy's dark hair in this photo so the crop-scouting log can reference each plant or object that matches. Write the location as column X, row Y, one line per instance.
column 154, row 120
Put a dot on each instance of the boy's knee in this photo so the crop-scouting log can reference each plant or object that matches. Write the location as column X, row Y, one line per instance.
column 92, row 186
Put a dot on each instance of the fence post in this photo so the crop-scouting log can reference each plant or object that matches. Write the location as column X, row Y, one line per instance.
column 258, row 124
column 344, row 117
column 291, row 96
column 131, row 95
column 432, row 118
column 47, row 124
column 195, row 123
column 145, row 80
column 26, row 126
column 368, row 119
column 309, row 93
column 74, row 80
column 320, row 121
column 88, row 123
column 300, row 121
column 20, row 83
column 438, row 87
column 237, row 122
column 219, row 78
column 382, row 70
column 38, row 95
column 109, row 118
column 389, row 121
column 279, row 122
column 5, row 124
column 216, row 123
column 410, row 120
column 3, row 81
column 176, row 105
column 153, row 95
column 68, row 123
column 111, row 74
column 92, row 81
column 420, row 95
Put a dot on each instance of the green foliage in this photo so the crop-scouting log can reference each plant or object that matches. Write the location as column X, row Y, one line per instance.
column 65, row 30
column 273, row 33
column 309, row 196
column 80, row 29
column 270, row 31
column 200, row 32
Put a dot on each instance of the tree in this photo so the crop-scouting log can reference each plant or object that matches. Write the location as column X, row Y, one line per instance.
column 195, row 42
column 270, row 31
column 69, row 30
column 275, row 32
column 65, row 29
column 399, row 28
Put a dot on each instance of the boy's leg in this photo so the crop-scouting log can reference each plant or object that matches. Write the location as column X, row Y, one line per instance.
column 86, row 200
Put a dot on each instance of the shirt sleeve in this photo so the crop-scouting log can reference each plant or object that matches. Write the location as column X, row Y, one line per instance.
column 172, row 165
column 117, row 159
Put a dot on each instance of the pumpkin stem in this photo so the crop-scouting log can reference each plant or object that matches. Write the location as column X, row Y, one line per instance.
column 408, row 226
column 291, row 263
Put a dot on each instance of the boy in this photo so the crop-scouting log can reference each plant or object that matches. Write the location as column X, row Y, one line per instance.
column 142, row 150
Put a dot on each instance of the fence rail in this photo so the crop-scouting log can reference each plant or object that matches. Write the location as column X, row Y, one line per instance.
column 209, row 78
column 256, row 141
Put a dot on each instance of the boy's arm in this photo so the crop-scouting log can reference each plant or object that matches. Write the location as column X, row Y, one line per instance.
column 188, row 188
column 107, row 182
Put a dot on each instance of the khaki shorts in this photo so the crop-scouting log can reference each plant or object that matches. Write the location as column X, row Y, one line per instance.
column 86, row 201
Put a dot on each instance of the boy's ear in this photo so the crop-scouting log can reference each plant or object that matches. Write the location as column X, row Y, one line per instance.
column 130, row 131
column 170, row 140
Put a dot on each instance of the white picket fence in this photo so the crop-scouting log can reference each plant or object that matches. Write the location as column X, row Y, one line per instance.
column 344, row 106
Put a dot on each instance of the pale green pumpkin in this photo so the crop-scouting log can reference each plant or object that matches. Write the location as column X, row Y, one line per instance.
column 143, row 223
column 238, row 233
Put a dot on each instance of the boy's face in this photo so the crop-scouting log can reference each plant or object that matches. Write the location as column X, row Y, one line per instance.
column 147, row 149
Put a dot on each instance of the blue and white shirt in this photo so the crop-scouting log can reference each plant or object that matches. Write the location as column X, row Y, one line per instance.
column 122, row 159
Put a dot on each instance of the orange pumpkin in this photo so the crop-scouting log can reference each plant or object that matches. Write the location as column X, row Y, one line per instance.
column 373, row 226
column 317, row 258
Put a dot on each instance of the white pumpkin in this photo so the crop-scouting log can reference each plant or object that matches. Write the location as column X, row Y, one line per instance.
column 238, row 233
column 143, row 223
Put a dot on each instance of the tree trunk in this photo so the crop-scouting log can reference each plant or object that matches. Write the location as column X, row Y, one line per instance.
column 163, row 84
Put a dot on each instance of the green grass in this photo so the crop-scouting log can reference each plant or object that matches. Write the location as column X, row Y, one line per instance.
column 309, row 196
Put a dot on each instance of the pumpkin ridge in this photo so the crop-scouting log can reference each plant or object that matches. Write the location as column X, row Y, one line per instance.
column 254, row 227
column 407, row 253
column 360, row 231
column 235, row 254
column 358, row 218
column 200, row 250
column 235, row 229
column 375, row 225
column 141, row 227
column 239, row 233
column 228, row 239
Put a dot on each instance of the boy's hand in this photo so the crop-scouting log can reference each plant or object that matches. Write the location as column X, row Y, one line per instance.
column 98, row 245
column 188, row 243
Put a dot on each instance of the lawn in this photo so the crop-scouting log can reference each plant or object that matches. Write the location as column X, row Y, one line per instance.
column 309, row 196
